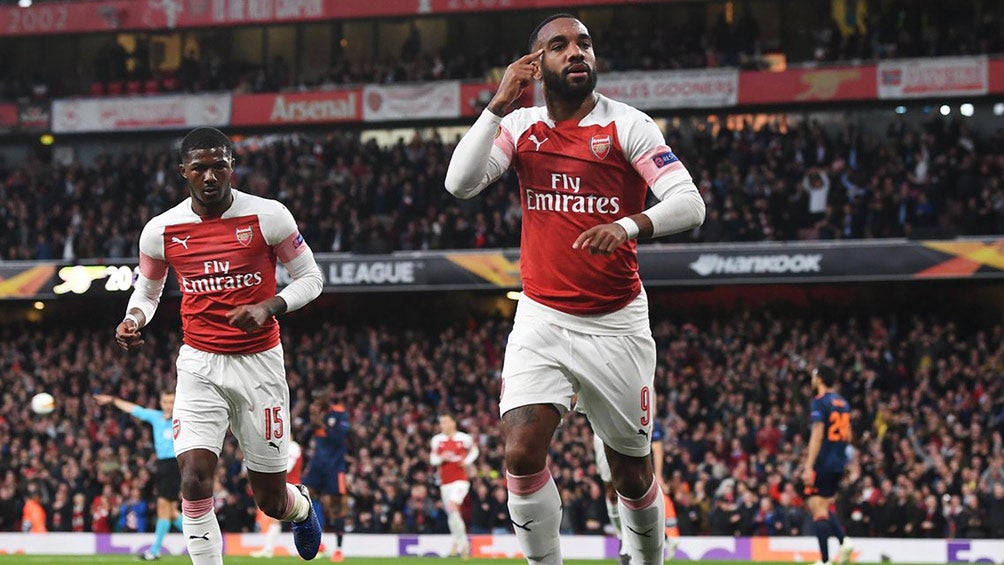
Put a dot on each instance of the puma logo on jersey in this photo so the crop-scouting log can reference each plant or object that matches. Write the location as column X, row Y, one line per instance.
column 183, row 242
column 533, row 138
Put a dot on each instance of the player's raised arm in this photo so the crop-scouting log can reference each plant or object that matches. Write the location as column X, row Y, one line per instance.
column 123, row 405
column 484, row 153
column 518, row 75
column 147, row 291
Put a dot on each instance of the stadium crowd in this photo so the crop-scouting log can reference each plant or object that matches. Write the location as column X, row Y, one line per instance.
column 674, row 40
column 927, row 398
column 779, row 181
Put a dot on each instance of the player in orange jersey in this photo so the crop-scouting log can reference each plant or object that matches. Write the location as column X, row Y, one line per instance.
column 585, row 164
column 223, row 245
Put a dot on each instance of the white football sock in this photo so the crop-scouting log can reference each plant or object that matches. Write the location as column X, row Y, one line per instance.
column 535, row 510
column 202, row 532
column 613, row 511
column 297, row 506
column 644, row 521
column 458, row 530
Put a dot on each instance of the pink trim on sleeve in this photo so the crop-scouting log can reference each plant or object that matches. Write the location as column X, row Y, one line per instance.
column 153, row 269
column 656, row 163
column 291, row 247
column 503, row 140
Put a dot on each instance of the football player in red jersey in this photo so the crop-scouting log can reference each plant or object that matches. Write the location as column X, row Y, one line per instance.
column 452, row 452
column 223, row 245
column 585, row 164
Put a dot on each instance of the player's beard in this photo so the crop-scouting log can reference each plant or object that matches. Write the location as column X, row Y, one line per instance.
column 556, row 83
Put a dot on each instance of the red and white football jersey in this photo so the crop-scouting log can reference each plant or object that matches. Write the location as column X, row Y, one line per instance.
column 574, row 176
column 452, row 454
column 221, row 263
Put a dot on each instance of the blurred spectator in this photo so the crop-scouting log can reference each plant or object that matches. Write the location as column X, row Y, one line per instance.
column 362, row 198
column 675, row 39
column 972, row 520
column 132, row 514
column 10, row 509
column 33, row 513
column 932, row 520
column 995, row 512
column 926, row 393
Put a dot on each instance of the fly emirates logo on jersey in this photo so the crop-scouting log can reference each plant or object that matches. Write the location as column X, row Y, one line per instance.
column 565, row 196
column 217, row 277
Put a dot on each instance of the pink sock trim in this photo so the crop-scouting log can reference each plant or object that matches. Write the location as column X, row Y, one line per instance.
column 525, row 485
column 645, row 501
column 291, row 491
column 196, row 508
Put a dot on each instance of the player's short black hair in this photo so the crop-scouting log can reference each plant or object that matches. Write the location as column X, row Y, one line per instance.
column 544, row 22
column 205, row 138
column 827, row 375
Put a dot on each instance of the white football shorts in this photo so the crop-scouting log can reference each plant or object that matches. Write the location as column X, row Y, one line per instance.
column 247, row 393
column 612, row 374
column 602, row 466
column 454, row 492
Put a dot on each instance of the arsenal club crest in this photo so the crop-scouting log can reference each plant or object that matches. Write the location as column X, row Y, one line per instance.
column 244, row 235
column 600, row 146
column 176, row 426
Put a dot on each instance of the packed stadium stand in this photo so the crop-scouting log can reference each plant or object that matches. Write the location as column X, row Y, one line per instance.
column 773, row 183
column 632, row 38
column 803, row 138
column 733, row 398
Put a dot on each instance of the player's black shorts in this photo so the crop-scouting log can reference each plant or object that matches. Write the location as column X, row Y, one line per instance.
column 826, row 484
column 325, row 478
column 168, row 479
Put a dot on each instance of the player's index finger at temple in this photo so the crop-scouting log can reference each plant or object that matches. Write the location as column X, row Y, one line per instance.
column 530, row 56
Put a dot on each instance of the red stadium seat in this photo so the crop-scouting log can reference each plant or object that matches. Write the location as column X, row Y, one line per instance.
column 151, row 86
column 97, row 88
column 133, row 87
column 114, row 88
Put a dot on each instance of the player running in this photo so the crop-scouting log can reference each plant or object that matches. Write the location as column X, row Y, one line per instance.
column 453, row 452
column 830, row 416
column 585, row 164
column 223, row 245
